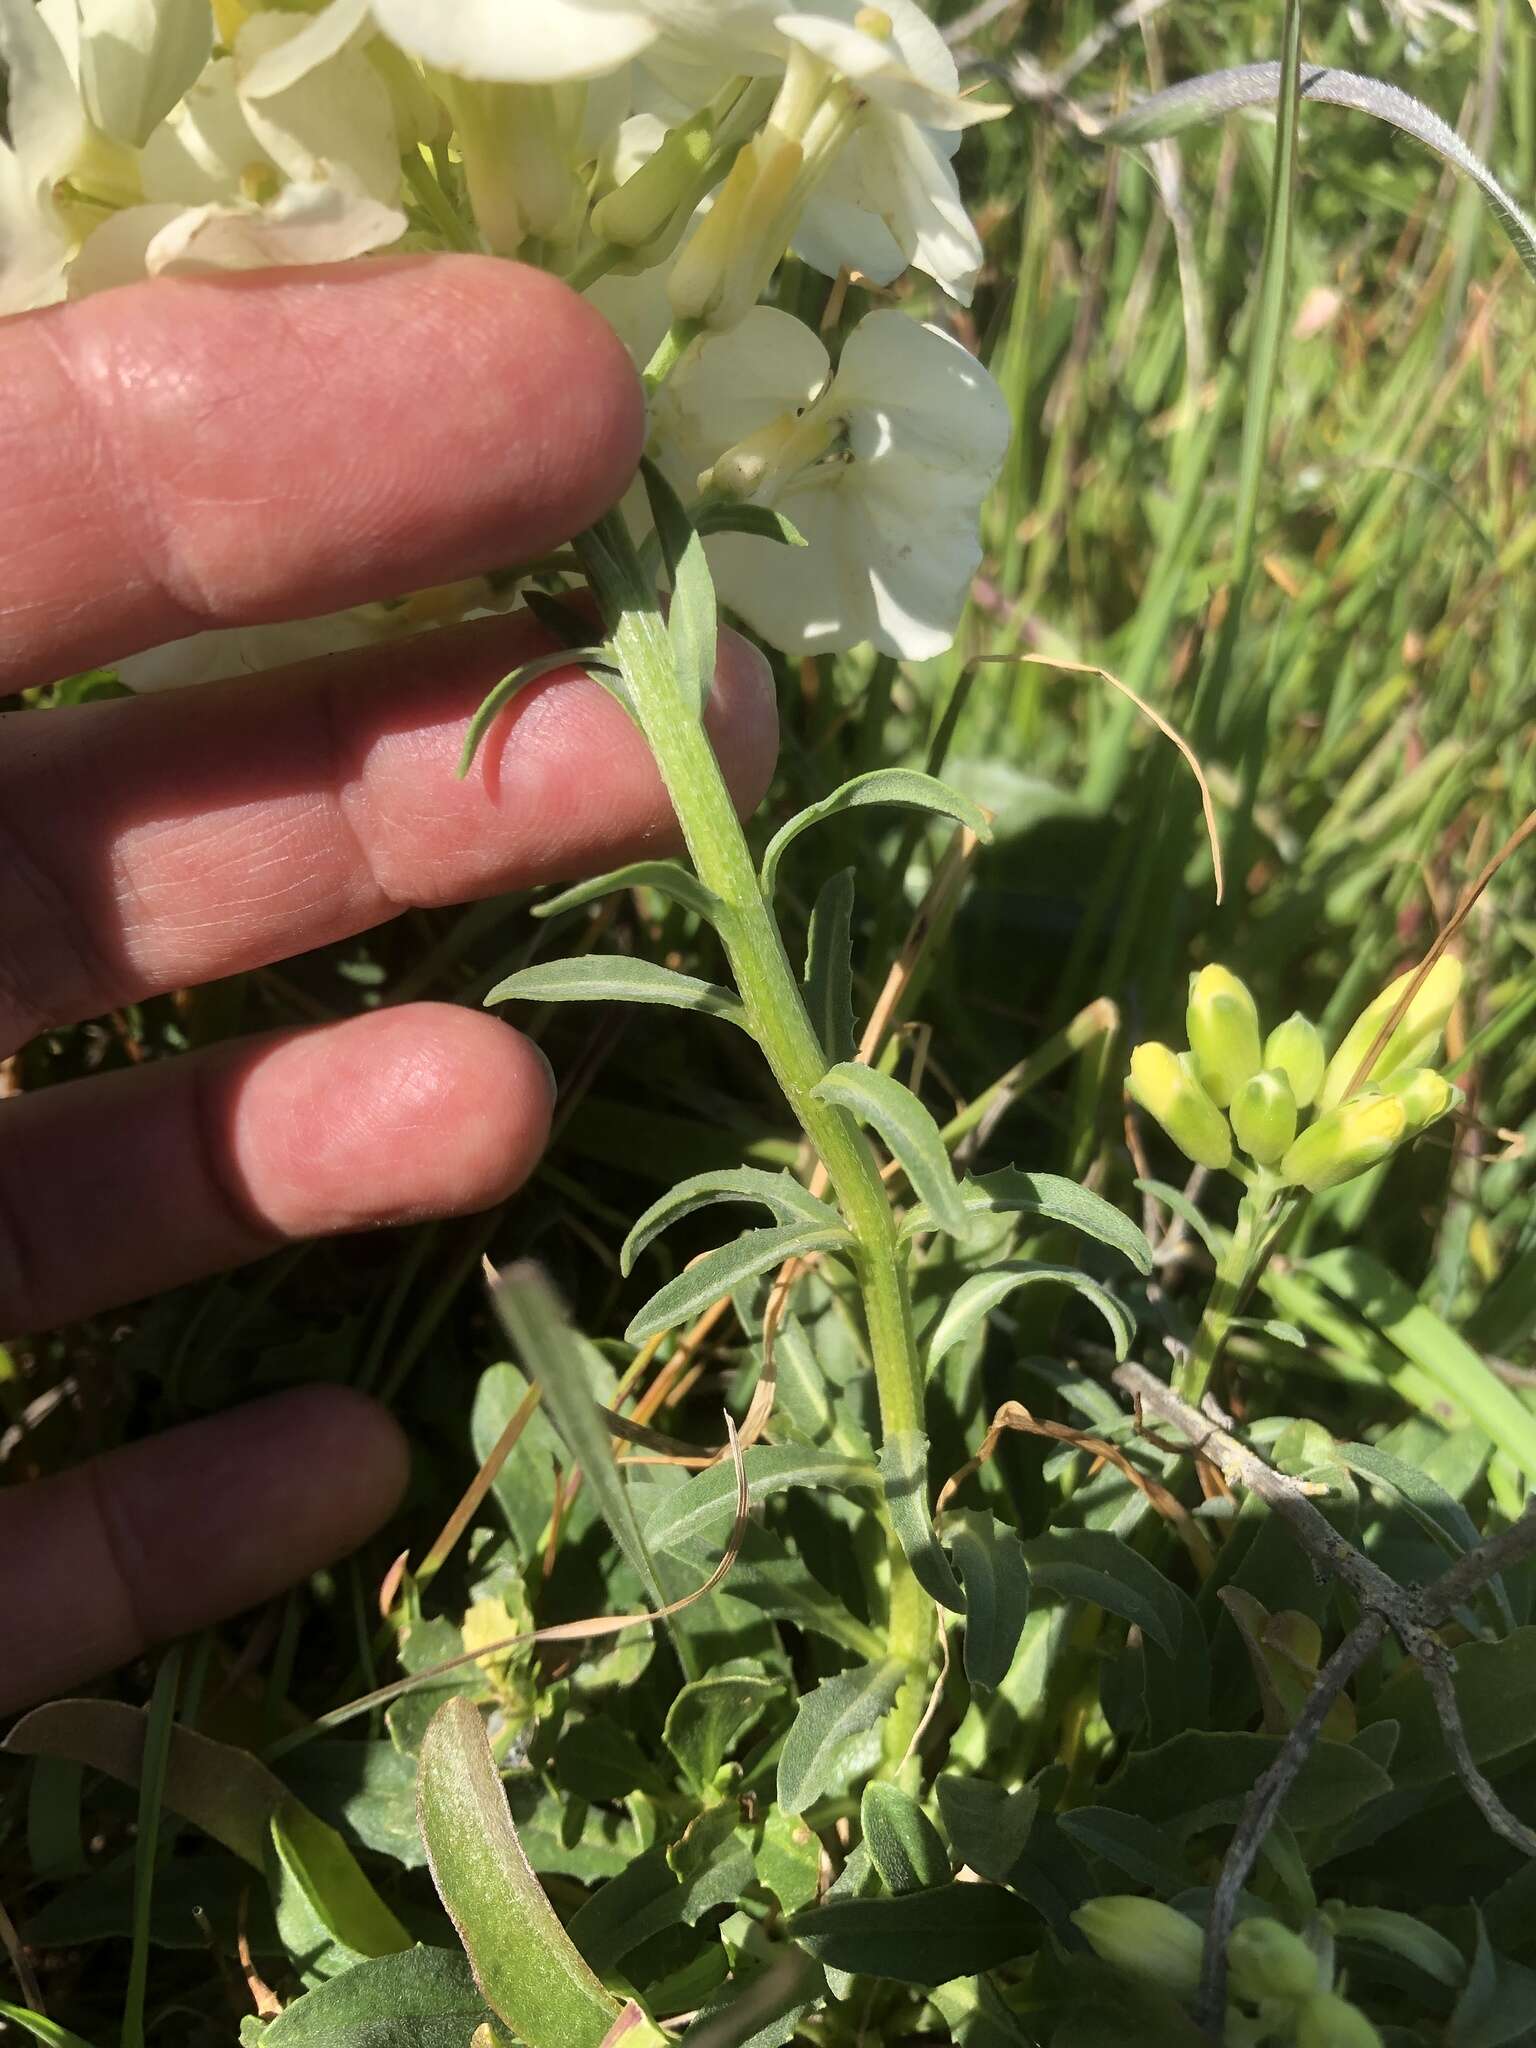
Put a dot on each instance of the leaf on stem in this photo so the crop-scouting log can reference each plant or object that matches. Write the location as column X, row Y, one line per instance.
column 424, row 1998
column 693, row 617
column 761, row 522
column 720, row 1272
column 615, row 978
column 907, row 1130
column 779, row 1192
column 526, row 1965
column 700, row 1513
column 881, row 786
column 976, row 1298
column 834, row 1739
column 990, row 1561
column 1011, row 1191
column 598, row 660
column 927, row 1937
column 667, row 877
column 905, row 1846
column 829, row 966
column 904, row 1471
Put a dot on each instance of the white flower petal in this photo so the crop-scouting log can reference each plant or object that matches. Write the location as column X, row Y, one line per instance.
column 245, row 650
column 334, row 121
column 33, row 245
column 731, row 384
column 43, row 117
column 533, row 42
column 199, row 155
column 304, row 224
column 313, row 41
column 942, row 405
column 882, row 73
column 117, row 252
column 137, row 59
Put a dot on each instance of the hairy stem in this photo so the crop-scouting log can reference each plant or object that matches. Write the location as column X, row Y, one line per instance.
column 770, row 992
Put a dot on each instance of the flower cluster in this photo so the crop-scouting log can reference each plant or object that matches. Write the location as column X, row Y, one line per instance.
column 1234, row 1091
column 1281, row 1985
column 662, row 156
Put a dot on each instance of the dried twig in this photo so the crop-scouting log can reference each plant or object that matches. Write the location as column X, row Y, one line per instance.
column 1410, row 1614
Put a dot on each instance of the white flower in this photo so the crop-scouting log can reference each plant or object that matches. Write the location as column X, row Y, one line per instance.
column 891, row 198
column 882, row 467
column 47, row 135
column 545, row 42
column 131, row 59
column 871, row 102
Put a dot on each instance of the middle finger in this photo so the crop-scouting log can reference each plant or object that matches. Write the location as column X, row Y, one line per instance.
column 155, row 842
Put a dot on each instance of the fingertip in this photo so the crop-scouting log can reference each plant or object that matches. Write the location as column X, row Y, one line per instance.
column 339, row 1430
column 422, row 1111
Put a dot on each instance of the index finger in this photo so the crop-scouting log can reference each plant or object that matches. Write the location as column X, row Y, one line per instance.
column 240, row 449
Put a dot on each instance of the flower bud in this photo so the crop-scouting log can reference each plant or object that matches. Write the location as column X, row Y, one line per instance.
column 1345, row 1142
column 1328, row 2021
column 724, row 265
column 1168, row 1092
column 1295, row 1049
column 1425, row 1095
column 643, row 206
column 1264, row 1116
column 1414, row 1040
column 1223, row 1032
column 1268, row 1961
column 1145, row 1939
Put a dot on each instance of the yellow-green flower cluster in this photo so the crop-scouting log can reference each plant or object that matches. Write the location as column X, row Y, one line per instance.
column 1271, row 1971
column 1236, row 1090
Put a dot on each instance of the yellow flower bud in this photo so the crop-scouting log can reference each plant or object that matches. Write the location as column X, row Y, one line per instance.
column 1413, row 1042
column 1264, row 1116
column 1268, row 1961
column 1345, row 1142
column 1145, row 1939
column 1295, row 1049
column 1165, row 1090
column 1425, row 1095
column 722, row 268
column 1328, row 2021
column 1223, row 1026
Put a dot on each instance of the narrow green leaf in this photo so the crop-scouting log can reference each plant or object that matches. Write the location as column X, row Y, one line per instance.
column 905, row 1846
column 316, row 1860
column 1400, row 1935
column 1219, row 93
column 924, row 1938
column 881, row 786
column 510, row 686
column 524, row 1962
column 988, row 1825
column 904, row 1474
column 667, row 877
column 781, row 1193
column 990, row 1562
column 1011, row 1191
column 761, row 522
column 907, row 1130
column 44, row 2030
column 544, row 1345
column 1092, row 1565
column 833, row 1740
column 614, row 978
column 693, row 617
column 1376, row 1294
column 829, row 966
column 159, row 1727
column 424, row 1998
column 720, row 1272
column 709, row 1717
column 1178, row 1202
column 700, row 1514
column 975, row 1299
column 1130, row 1844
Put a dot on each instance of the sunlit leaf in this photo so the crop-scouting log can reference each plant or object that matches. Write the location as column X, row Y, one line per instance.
column 881, row 786
column 720, row 1272
column 906, row 1129
column 787, row 1198
column 615, row 978
column 975, row 1299
column 835, row 1736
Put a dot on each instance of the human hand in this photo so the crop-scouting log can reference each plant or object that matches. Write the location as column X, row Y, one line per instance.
column 232, row 450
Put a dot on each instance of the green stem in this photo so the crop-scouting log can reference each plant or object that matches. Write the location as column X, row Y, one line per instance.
column 675, row 344
column 770, row 992
column 1246, row 1255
